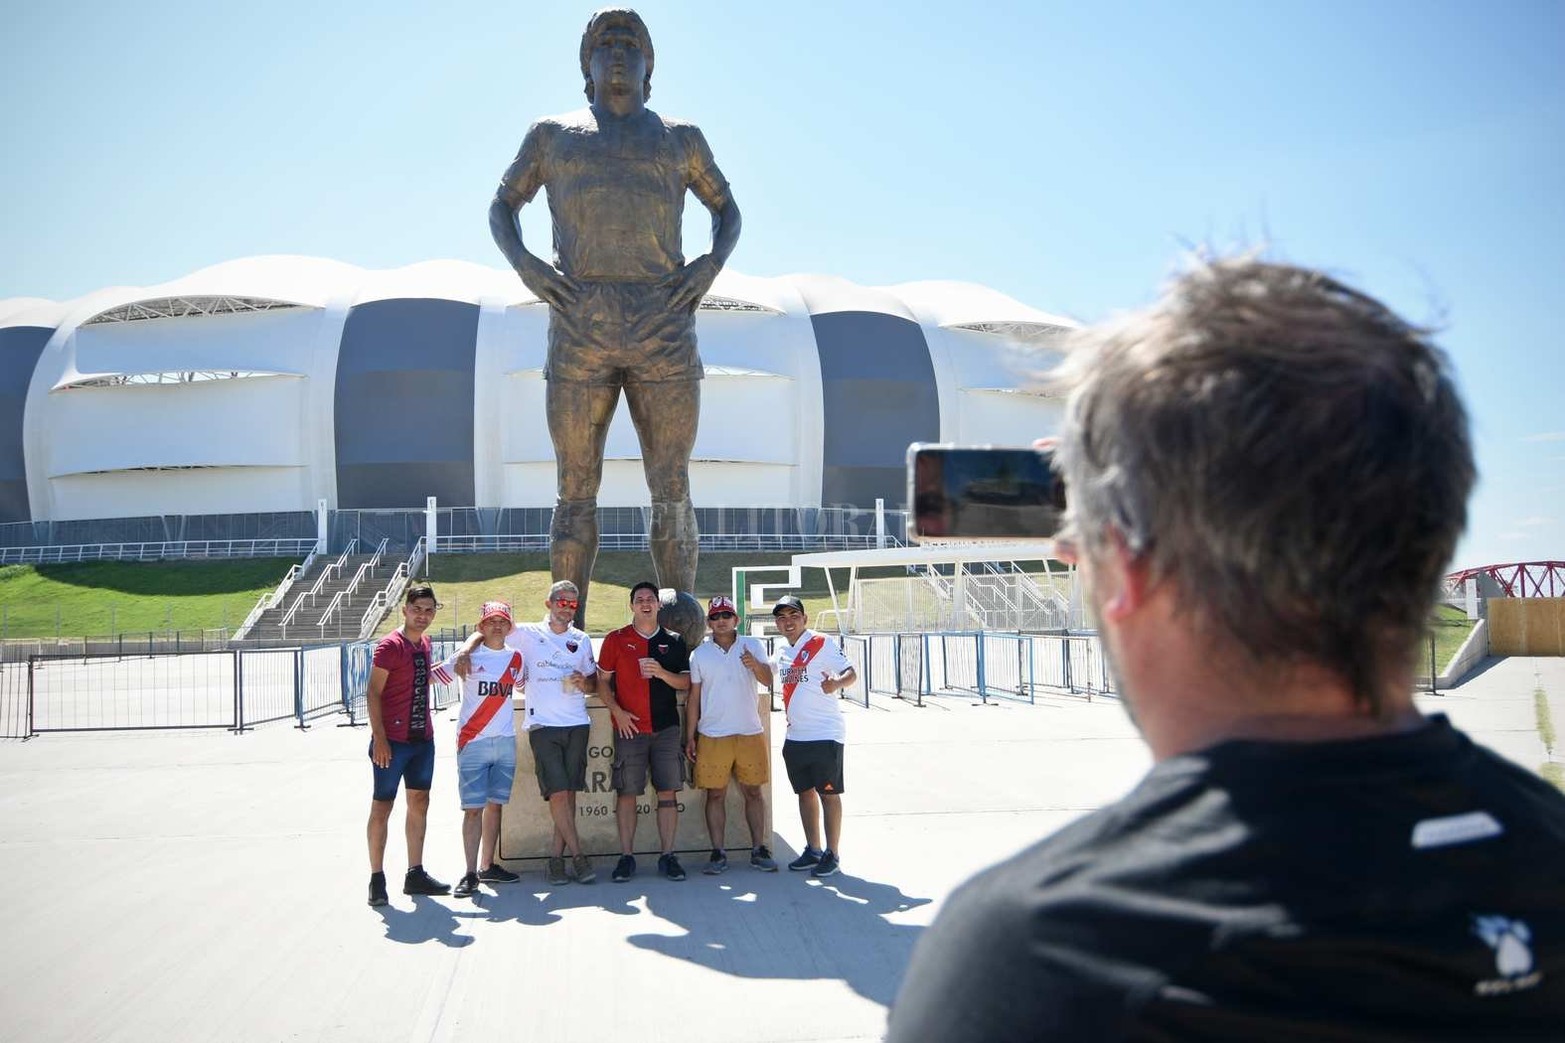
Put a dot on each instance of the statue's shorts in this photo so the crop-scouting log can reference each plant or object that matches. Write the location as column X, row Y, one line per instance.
column 619, row 333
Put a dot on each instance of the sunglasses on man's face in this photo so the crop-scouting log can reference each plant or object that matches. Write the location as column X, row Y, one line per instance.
column 722, row 615
column 565, row 603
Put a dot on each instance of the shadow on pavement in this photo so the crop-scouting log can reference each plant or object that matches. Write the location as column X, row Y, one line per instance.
column 428, row 921
column 751, row 925
column 788, row 925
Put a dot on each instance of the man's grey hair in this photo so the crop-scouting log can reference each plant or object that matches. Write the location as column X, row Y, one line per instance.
column 1286, row 450
column 615, row 18
column 563, row 586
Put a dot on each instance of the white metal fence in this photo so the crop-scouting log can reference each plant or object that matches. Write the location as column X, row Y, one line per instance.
column 169, row 549
column 917, row 666
column 988, row 599
column 234, row 690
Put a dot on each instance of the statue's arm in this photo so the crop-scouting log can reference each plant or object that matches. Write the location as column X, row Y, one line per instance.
column 690, row 283
column 517, row 188
column 725, row 230
column 712, row 188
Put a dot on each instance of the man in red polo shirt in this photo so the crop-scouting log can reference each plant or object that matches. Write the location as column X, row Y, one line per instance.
column 402, row 741
column 642, row 666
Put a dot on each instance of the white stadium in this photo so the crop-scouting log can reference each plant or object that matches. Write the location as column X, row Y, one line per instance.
column 266, row 385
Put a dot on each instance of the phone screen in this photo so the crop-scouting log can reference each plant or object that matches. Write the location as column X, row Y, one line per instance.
column 982, row 493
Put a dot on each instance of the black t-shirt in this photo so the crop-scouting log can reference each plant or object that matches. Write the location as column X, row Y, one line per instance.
column 1410, row 887
column 669, row 649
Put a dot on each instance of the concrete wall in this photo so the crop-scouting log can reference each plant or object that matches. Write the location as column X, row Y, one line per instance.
column 1472, row 652
column 1527, row 626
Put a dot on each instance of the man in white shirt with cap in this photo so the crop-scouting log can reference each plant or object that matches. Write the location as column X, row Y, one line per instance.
column 723, row 732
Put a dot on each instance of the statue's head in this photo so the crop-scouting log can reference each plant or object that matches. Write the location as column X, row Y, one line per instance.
column 615, row 18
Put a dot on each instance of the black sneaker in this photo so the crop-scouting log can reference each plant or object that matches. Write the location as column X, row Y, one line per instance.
column 808, row 860
column 418, row 882
column 668, row 865
column 378, row 889
column 827, row 866
column 497, row 874
column 624, row 869
column 718, row 863
column 466, row 886
column 761, row 858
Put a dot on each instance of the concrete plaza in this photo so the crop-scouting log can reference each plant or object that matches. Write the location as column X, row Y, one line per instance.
column 208, row 886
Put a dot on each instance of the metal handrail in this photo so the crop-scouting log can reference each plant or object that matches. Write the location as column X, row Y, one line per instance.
column 342, row 559
column 358, row 577
column 344, row 597
column 334, row 569
column 298, row 603
column 51, row 554
column 315, row 588
column 380, row 552
column 372, row 613
column 331, row 610
column 398, row 582
column 383, row 600
column 267, row 602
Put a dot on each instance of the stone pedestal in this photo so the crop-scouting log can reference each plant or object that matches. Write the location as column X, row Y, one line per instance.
column 525, row 825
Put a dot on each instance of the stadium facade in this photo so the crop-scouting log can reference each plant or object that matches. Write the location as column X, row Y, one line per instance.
column 265, row 385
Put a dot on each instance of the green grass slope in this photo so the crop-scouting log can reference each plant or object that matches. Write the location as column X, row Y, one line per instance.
column 105, row 597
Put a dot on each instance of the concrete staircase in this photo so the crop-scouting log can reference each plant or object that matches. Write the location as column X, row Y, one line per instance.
column 325, row 604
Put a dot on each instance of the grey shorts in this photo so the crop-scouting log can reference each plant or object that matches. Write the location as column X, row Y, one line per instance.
column 619, row 333
column 559, row 758
column 661, row 749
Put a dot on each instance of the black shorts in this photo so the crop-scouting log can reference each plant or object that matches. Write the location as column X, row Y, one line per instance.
column 814, row 765
column 559, row 758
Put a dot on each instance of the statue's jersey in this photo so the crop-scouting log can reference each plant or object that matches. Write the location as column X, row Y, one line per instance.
column 616, row 190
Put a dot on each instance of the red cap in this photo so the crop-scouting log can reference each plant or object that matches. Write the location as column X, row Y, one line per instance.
column 492, row 609
column 721, row 603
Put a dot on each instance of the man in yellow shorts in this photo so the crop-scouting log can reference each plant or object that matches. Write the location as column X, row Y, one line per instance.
column 723, row 733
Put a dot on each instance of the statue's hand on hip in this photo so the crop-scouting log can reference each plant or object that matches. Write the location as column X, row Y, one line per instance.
column 689, row 284
column 552, row 287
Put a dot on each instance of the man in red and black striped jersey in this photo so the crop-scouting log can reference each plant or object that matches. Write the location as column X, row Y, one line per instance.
column 642, row 666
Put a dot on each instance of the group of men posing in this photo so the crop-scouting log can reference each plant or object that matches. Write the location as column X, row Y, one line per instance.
column 637, row 674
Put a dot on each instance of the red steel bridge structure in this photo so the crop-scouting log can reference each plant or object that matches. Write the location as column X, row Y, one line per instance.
column 1526, row 579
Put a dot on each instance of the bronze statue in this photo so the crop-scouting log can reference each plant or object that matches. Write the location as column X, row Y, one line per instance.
column 621, row 297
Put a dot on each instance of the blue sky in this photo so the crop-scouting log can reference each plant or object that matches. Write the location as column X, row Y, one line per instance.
column 1063, row 153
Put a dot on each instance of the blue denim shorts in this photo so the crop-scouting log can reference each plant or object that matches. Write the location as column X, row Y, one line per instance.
column 485, row 769
column 412, row 762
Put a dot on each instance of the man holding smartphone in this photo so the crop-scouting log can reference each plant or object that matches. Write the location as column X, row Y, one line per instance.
column 1267, row 473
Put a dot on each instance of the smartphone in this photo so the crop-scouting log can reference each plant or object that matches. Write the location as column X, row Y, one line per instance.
column 972, row 492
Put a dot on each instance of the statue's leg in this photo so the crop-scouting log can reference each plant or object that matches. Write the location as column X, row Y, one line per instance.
column 579, row 416
column 665, row 414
